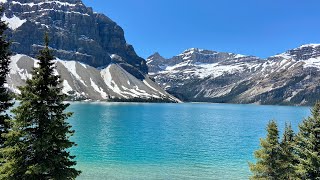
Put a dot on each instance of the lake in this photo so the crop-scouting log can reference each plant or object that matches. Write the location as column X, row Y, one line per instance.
column 172, row 141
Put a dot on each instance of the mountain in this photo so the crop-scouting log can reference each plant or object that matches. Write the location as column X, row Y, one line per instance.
column 77, row 33
column 82, row 82
column 198, row 75
column 92, row 55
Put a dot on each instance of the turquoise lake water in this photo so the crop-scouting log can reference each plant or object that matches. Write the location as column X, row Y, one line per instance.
column 172, row 141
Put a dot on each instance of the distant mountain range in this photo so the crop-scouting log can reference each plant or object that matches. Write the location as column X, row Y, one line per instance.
column 197, row 75
column 93, row 57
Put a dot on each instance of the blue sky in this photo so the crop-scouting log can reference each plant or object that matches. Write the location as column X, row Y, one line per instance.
column 252, row 27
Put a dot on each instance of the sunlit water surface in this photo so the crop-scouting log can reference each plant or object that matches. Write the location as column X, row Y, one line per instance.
column 171, row 141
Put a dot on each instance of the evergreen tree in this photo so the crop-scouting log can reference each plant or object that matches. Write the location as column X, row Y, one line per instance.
column 287, row 156
column 37, row 145
column 5, row 98
column 268, row 157
column 308, row 146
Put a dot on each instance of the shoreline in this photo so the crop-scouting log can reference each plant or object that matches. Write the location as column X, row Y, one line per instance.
column 150, row 102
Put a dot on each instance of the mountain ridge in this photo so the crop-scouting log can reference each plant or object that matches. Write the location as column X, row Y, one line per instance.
column 307, row 45
column 287, row 78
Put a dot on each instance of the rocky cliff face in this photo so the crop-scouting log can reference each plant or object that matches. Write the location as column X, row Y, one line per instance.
column 93, row 58
column 77, row 33
column 199, row 75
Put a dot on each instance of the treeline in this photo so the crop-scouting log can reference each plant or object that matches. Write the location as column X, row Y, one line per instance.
column 34, row 142
column 295, row 156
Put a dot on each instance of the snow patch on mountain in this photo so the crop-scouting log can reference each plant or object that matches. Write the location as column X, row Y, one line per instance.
column 44, row 3
column 14, row 22
column 71, row 66
column 98, row 89
column 66, row 87
column 14, row 69
column 283, row 56
column 312, row 62
column 107, row 77
column 309, row 45
column 217, row 69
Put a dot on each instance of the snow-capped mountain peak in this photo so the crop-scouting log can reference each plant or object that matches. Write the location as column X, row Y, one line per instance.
column 192, row 50
column 309, row 45
column 289, row 78
column 198, row 60
column 302, row 53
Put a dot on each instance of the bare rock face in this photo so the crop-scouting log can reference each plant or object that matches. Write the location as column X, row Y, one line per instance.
column 76, row 32
column 197, row 75
column 93, row 58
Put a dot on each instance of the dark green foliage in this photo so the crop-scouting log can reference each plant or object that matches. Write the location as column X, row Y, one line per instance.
column 298, row 157
column 308, row 146
column 37, row 145
column 5, row 97
column 287, row 157
column 268, row 157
